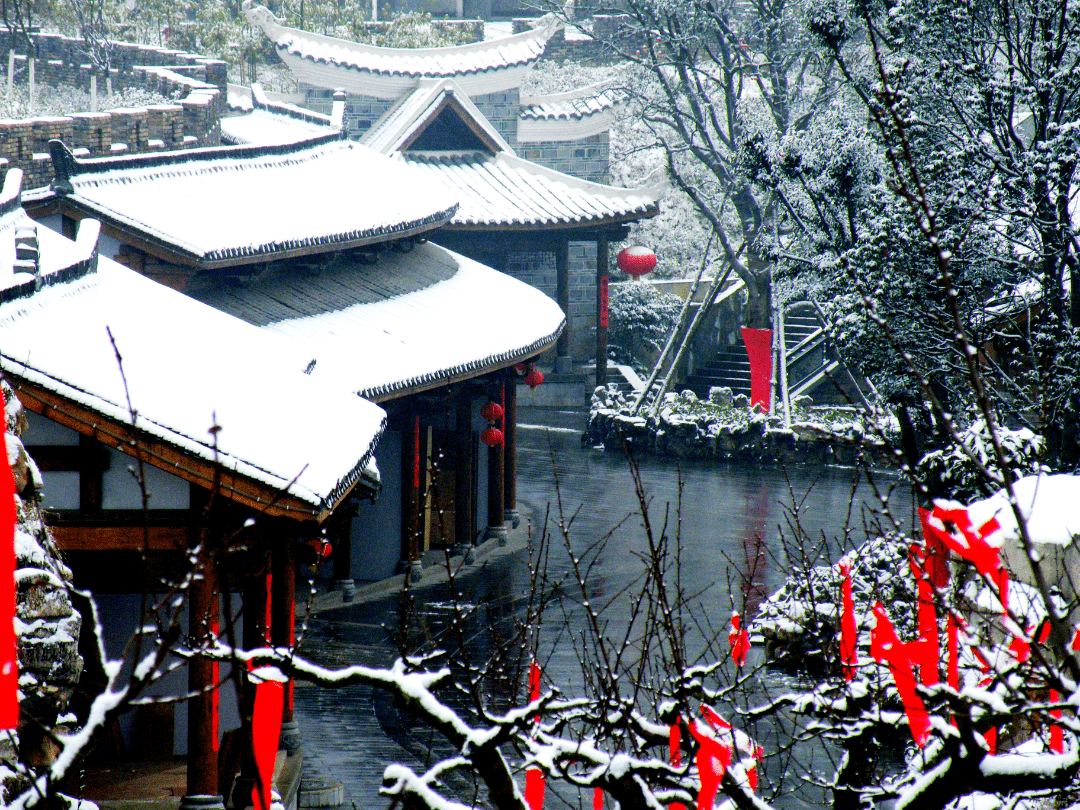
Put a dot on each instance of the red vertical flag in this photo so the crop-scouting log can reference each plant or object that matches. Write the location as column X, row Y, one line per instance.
column 848, row 631
column 759, row 352
column 674, row 747
column 9, row 653
column 266, row 732
column 534, row 777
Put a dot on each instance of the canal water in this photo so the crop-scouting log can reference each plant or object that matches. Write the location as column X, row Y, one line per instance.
column 740, row 529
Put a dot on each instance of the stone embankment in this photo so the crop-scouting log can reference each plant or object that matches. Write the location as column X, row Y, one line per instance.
column 46, row 623
column 726, row 427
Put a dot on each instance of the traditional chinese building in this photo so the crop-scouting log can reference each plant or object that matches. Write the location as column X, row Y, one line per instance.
column 350, row 282
column 527, row 171
column 181, row 451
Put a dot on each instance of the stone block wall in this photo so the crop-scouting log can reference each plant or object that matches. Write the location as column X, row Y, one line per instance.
column 605, row 27
column 360, row 111
column 198, row 83
column 586, row 158
column 538, row 270
column 62, row 61
column 501, row 109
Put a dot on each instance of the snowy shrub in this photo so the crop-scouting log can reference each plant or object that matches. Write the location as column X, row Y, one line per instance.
column 800, row 623
column 66, row 100
column 953, row 470
column 641, row 318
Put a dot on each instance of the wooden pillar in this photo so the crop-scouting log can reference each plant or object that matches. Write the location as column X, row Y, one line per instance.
column 601, row 309
column 202, row 737
column 410, row 497
column 464, row 509
column 496, row 526
column 510, row 511
column 562, row 297
column 283, row 628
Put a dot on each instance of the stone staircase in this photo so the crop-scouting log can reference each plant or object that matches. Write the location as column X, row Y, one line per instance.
column 804, row 341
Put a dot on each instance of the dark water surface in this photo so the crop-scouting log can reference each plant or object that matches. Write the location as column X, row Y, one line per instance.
column 732, row 520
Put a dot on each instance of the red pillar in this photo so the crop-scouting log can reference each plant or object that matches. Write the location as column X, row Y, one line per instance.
column 496, row 526
column 411, row 474
column 510, row 511
column 283, row 629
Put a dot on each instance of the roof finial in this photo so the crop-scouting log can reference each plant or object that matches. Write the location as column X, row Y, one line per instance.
column 64, row 166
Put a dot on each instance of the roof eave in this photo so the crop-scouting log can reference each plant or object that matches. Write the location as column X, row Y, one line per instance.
column 235, row 486
column 587, row 224
column 126, row 230
column 397, row 390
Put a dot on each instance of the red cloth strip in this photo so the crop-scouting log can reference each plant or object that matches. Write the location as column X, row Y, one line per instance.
column 9, row 652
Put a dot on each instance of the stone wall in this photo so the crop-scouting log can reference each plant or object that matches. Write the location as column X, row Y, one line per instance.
column 360, row 111
column 588, row 49
column 501, row 110
column 197, row 83
column 47, row 625
column 538, row 270
column 586, row 158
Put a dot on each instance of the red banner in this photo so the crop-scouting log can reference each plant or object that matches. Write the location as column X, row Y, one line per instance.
column 603, row 293
column 266, row 732
column 759, row 351
column 9, row 653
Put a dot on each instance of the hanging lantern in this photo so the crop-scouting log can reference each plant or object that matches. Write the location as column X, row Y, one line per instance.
column 323, row 550
column 636, row 261
column 521, row 368
column 492, row 437
column 534, row 378
column 492, row 411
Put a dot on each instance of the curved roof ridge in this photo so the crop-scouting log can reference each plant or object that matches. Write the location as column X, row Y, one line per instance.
column 588, row 91
column 407, row 61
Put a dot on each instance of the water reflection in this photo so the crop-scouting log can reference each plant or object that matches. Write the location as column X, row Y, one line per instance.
column 731, row 522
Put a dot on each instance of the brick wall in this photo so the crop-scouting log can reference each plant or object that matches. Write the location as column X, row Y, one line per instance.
column 606, row 28
column 586, row 158
column 62, row 61
column 538, row 270
column 501, row 109
column 197, row 83
column 360, row 111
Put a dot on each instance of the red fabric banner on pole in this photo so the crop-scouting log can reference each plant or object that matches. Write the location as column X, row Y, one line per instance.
column 9, row 653
column 674, row 747
column 759, row 351
column 265, row 731
column 739, row 640
column 848, row 631
column 534, row 777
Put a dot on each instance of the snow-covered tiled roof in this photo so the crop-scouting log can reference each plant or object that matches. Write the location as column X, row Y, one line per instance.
column 332, row 63
column 186, row 367
column 506, row 190
column 568, row 116
column 237, row 204
column 270, row 127
column 399, row 125
column 577, row 103
column 405, row 323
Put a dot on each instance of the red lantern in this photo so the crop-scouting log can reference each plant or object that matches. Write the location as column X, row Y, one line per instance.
column 493, row 412
column 521, row 368
column 323, row 550
column 492, row 437
column 534, row 378
column 636, row 261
